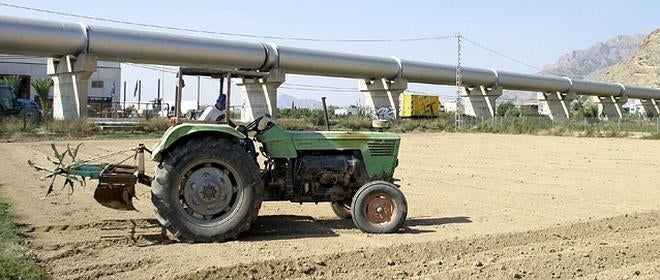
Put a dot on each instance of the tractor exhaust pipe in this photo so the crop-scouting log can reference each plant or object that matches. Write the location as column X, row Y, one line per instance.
column 325, row 114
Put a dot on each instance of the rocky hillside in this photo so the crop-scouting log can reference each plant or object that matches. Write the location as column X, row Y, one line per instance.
column 580, row 64
column 642, row 69
column 588, row 64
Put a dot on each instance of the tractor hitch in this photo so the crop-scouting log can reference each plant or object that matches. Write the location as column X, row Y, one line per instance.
column 116, row 187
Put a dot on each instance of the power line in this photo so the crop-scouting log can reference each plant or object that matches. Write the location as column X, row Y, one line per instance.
column 319, row 86
column 430, row 94
column 152, row 67
column 458, row 116
column 430, row 38
column 289, row 86
column 501, row 54
column 311, row 88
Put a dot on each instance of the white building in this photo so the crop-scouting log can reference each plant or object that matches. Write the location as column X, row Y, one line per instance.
column 634, row 107
column 449, row 107
column 348, row 111
column 104, row 83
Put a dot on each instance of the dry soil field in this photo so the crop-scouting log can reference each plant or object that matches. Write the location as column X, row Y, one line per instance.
column 480, row 206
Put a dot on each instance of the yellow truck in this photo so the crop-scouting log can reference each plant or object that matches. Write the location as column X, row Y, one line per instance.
column 419, row 106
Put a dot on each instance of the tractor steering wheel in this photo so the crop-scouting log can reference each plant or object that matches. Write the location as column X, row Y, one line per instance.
column 253, row 125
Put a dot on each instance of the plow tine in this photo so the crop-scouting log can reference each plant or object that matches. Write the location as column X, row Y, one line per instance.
column 51, row 175
column 51, row 160
column 57, row 153
column 73, row 154
column 50, row 188
column 68, row 182
column 71, row 178
column 38, row 168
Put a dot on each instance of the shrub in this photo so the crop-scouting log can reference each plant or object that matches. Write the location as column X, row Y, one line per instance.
column 42, row 87
column 74, row 127
column 295, row 124
column 153, row 124
column 505, row 107
column 590, row 111
column 653, row 136
column 10, row 125
column 512, row 113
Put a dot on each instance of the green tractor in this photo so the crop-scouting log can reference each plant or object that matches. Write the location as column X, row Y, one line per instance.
column 208, row 184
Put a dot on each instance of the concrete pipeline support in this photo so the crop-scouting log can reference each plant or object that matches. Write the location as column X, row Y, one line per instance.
column 23, row 36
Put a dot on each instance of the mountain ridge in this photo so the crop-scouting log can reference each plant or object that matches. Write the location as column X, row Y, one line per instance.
column 642, row 68
column 585, row 64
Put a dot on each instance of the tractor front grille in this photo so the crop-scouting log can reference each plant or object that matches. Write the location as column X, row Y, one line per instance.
column 381, row 147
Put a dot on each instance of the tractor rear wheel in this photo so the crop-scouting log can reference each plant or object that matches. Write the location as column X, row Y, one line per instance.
column 379, row 207
column 207, row 190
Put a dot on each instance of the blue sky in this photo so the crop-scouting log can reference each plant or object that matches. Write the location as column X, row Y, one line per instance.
column 536, row 32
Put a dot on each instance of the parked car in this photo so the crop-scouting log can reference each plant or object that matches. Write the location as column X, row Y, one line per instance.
column 10, row 105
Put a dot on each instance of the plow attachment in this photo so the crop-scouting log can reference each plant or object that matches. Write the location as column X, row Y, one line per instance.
column 116, row 181
column 116, row 188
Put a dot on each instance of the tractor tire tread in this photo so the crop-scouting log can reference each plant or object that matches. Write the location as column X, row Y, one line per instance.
column 394, row 192
column 166, row 213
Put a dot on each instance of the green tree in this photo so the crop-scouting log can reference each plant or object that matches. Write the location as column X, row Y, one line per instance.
column 577, row 108
column 590, row 111
column 13, row 82
column 512, row 113
column 42, row 87
column 506, row 106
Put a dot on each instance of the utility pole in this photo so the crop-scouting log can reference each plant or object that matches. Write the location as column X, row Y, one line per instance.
column 162, row 87
column 124, row 108
column 459, row 83
column 199, row 90
column 139, row 93
column 158, row 97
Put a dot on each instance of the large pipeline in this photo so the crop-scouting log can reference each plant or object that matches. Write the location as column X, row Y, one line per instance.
column 31, row 37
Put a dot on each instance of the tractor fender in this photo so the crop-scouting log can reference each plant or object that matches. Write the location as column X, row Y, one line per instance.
column 182, row 132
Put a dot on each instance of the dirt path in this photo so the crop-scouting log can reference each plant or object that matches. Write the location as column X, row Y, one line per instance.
column 522, row 206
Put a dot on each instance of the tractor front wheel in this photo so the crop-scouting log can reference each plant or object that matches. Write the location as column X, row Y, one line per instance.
column 342, row 209
column 379, row 207
column 207, row 190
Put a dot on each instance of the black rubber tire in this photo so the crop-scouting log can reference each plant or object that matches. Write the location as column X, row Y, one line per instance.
column 391, row 192
column 166, row 198
column 340, row 210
